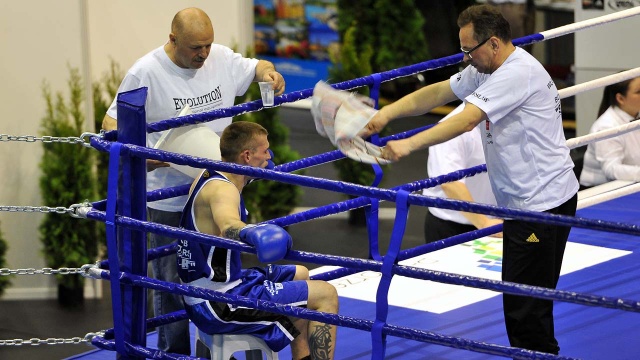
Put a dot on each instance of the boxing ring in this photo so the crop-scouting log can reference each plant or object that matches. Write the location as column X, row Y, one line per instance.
column 124, row 213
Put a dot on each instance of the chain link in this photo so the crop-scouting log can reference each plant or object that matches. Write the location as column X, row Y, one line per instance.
column 73, row 210
column 43, row 271
column 33, row 209
column 53, row 341
column 51, row 139
column 85, row 270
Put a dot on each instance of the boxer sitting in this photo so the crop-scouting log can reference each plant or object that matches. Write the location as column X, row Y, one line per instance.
column 215, row 207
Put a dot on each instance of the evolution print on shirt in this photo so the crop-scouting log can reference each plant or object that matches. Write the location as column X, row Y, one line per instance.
column 201, row 103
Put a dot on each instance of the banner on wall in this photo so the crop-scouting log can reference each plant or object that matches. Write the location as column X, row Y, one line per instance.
column 297, row 36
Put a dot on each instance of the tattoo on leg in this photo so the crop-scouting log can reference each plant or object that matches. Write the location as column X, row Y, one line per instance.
column 320, row 342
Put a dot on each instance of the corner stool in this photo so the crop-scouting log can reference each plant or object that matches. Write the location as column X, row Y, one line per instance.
column 222, row 346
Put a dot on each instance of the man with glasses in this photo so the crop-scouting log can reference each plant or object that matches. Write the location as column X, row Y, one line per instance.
column 510, row 96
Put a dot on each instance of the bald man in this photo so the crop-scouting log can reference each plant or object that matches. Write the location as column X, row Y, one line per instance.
column 188, row 70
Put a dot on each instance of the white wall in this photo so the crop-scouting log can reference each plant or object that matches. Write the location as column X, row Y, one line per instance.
column 40, row 39
column 125, row 32
column 602, row 51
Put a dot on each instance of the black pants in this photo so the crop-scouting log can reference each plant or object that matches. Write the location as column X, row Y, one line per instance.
column 437, row 229
column 532, row 255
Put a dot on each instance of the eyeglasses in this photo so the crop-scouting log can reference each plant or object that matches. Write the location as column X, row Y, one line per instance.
column 468, row 52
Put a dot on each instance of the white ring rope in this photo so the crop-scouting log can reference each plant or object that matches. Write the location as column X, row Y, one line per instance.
column 581, row 25
column 598, row 83
column 606, row 192
column 602, row 135
column 594, row 84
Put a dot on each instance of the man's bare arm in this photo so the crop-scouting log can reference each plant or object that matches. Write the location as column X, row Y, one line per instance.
column 109, row 123
column 457, row 190
column 266, row 71
column 223, row 200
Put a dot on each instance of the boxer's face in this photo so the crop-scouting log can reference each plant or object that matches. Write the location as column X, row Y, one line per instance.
column 260, row 153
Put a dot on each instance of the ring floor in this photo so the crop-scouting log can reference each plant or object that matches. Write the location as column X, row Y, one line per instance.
column 583, row 332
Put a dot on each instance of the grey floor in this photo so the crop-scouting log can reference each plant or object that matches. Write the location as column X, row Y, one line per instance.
column 45, row 319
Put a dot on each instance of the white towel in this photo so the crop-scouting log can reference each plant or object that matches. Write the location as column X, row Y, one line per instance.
column 340, row 116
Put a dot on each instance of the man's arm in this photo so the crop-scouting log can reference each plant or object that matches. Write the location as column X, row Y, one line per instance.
column 457, row 190
column 223, row 201
column 458, row 124
column 266, row 71
column 270, row 241
column 109, row 123
column 416, row 103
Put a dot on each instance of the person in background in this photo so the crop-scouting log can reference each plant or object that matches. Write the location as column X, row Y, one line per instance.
column 617, row 158
column 459, row 153
column 516, row 104
column 187, row 70
column 215, row 207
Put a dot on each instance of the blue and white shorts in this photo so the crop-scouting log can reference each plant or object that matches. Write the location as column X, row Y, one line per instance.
column 275, row 283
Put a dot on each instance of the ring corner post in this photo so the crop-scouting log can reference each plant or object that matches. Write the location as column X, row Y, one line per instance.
column 132, row 202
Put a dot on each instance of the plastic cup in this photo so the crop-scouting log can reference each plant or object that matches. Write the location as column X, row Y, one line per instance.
column 266, row 91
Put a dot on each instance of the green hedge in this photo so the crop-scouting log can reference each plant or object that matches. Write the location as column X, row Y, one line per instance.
column 5, row 280
column 67, row 178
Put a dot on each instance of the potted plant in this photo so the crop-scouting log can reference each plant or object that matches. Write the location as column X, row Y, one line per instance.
column 67, row 178
column 400, row 41
column 4, row 279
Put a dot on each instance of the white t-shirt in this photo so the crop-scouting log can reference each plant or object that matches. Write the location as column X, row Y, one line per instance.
column 223, row 76
column 617, row 158
column 459, row 153
column 527, row 157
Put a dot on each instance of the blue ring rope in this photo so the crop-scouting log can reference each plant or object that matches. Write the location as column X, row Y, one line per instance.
column 385, row 194
column 339, row 320
column 373, row 265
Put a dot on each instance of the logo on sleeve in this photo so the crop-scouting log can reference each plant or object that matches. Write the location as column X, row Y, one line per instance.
column 479, row 96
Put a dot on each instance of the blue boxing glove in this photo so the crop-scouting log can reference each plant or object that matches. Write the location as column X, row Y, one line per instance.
column 271, row 241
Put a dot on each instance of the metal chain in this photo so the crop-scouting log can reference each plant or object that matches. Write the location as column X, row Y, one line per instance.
column 43, row 271
column 31, row 209
column 84, row 270
column 53, row 341
column 51, row 139
column 73, row 210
